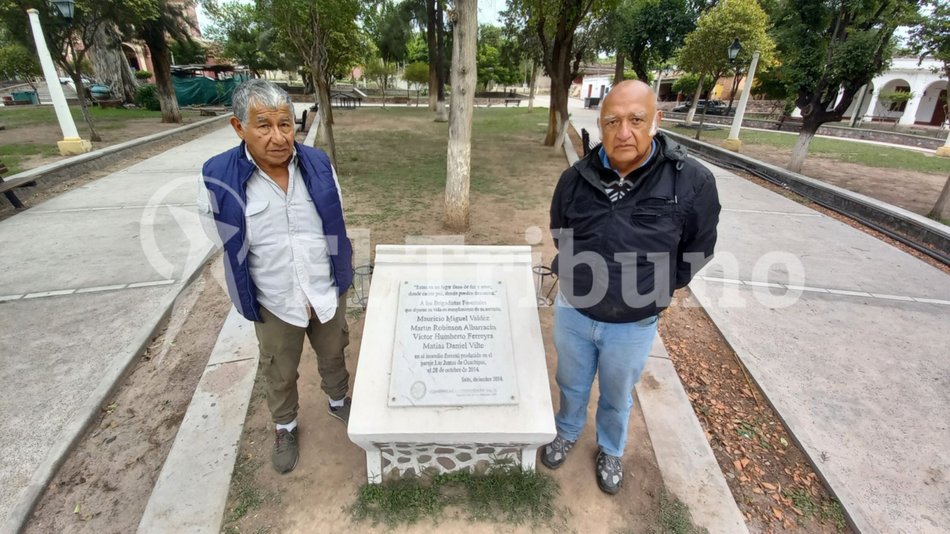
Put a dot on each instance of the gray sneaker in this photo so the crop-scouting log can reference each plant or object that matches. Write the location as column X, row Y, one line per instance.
column 609, row 473
column 553, row 454
column 343, row 412
column 286, row 452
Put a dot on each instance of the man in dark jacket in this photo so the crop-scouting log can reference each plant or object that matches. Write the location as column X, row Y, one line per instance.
column 633, row 220
column 279, row 214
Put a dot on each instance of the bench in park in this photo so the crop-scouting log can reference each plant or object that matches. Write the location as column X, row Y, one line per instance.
column 345, row 101
column 7, row 187
column 515, row 101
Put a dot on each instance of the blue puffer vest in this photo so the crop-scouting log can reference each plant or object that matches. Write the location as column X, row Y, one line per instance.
column 226, row 176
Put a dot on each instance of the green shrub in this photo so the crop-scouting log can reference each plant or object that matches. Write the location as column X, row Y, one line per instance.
column 142, row 75
column 147, row 97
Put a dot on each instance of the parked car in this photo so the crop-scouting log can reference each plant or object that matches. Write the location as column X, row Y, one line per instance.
column 716, row 107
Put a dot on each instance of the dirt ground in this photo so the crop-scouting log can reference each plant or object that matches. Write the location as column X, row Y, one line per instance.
column 911, row 190
column 331, row 468
column 105, row 482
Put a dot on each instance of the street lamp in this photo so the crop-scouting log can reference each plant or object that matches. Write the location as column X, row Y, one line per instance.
column 66, row 9
column 732, row 142
column 71, row 144
column 733, row 51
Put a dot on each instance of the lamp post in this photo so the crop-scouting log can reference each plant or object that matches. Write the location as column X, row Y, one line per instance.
column 732, row 142
column 71, row 144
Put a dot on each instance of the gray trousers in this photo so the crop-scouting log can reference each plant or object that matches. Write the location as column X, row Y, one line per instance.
column 281, row 345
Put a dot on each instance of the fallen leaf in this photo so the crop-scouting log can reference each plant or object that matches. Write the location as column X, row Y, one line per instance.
column 770, row 487
column 777, row 513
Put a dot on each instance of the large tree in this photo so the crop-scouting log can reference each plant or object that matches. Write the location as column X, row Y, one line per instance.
column 828, row 50
column 565, row 31
column 459, row 152
column 647, row 33
column 705, row 49
column 111, row 65
column 18, row 62
column 312, row 29
column 244, row 36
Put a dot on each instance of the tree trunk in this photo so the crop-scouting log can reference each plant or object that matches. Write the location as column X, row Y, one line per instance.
column 692, row 109
column 153, row 33
column 464, row 76
column 941, row 211
column 533, row 81
column 384, row 89
column 557, row 114
column 433, row 43
column 326, row 113
column 83, row 104
column 800, row 152
column 618, row 68
column 732, row 97
column 111, row 65
column 702, row 120
column 441, row 115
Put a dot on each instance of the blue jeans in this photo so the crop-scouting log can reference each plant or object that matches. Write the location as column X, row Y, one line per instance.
column 615, row 351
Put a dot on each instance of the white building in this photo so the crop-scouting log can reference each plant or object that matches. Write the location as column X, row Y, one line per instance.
column 925, row 81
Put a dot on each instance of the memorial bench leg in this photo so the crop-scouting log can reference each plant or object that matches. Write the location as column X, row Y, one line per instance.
column 374, row 466
column 528, row 457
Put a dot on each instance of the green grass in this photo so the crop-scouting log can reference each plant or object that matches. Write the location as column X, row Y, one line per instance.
column 18, row 117
column 12, row 155
column 673, row 517
column 504, row 494
column 407, row 162
column 843, row 150
column 829, row 511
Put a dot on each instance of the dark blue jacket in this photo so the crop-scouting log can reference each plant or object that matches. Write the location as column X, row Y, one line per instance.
column 629, row 256
column 226, row 176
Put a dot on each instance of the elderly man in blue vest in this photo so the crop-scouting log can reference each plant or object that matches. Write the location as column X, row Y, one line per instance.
column 279, row 214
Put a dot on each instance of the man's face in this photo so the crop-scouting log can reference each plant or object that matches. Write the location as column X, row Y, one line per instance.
column 627, row 127
column 269, row 134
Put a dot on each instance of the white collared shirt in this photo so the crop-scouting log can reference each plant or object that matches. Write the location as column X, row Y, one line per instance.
column 288, row 255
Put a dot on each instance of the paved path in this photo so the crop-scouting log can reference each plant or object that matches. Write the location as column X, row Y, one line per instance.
column 854, row 358
column 85, row 279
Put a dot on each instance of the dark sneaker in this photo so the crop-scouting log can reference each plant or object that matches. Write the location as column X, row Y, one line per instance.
column 609, row 473
column 343, row 412
column 285, row 453
column 553, row 454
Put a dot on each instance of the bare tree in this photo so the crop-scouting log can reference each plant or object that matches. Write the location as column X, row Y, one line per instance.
column 464, row 77
column 111, row 66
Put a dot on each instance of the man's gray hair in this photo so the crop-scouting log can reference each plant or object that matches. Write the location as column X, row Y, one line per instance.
column 261, row 92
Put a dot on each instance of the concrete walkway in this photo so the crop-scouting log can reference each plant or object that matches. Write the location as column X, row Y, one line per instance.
column 847, row 337
column 86, row 278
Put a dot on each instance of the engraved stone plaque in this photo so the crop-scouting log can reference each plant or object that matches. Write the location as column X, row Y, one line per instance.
column 452, row 345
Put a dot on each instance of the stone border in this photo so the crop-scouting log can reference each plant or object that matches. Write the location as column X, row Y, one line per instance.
column 191, row 491
column 95, row 160
column 687, row 464
column 886, row 216
column 840, row 132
